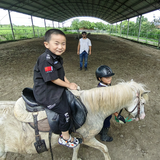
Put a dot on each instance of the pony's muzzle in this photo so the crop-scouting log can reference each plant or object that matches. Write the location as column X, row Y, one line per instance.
column 141, row 116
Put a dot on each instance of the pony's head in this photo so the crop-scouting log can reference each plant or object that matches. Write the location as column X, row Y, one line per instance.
column 140, row 98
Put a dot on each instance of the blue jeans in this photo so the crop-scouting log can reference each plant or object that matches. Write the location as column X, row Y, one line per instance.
column 83, row 55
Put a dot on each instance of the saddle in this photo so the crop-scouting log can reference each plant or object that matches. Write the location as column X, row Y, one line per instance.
column 78, row 110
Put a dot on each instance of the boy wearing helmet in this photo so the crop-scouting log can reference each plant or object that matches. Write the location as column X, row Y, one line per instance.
column 104, row 75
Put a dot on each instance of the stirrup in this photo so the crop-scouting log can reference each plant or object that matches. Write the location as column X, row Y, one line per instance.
column 68, row 142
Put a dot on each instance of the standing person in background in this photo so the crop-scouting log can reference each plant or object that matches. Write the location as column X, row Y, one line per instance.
column 83, row 50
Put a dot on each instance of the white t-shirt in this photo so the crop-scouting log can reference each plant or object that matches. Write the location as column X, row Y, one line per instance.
column 84, row 45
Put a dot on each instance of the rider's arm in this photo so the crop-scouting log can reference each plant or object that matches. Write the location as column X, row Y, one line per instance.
column 59, row 82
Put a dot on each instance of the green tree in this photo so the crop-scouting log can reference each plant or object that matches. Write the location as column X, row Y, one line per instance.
column 93, row 25
column 75, row 24
column 100, row 26
column 85, row 24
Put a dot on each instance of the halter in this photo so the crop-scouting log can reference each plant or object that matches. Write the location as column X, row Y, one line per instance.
column 137, row 106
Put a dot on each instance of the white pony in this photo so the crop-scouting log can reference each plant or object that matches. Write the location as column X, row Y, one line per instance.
column 16, row 136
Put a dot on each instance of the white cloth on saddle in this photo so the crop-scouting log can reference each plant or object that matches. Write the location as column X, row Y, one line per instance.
column 23, row 115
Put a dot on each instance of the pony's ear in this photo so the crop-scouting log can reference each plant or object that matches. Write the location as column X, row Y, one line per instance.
column 145, row 93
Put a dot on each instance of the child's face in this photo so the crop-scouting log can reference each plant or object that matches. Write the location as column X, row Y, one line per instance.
column 84, row 35
column 106, row 80
column 57, row 44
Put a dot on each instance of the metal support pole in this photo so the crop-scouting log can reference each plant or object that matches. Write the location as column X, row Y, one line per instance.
column 45, row 24
column 110, row 28
column 58, row 25
column 32, row 25
column 139, row 27
column 128, row 28
column 11, row 24
column 159, row 42
column 53, row 23
column 116, row 28
column 121, row 29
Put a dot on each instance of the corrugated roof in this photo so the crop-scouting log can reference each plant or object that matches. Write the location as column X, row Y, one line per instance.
column 111, row 11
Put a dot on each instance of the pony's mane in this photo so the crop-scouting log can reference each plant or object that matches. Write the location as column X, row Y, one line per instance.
column 138, row 87
column 114, row 96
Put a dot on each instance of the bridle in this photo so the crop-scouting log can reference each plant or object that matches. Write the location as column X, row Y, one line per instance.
column 137, row 106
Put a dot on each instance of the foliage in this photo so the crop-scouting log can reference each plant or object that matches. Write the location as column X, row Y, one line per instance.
column 75, row 24
column 148, row 29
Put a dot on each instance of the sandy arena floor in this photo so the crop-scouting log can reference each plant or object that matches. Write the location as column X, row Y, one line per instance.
column 128, row 60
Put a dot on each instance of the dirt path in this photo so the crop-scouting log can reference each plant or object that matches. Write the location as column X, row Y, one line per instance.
column 128, row 60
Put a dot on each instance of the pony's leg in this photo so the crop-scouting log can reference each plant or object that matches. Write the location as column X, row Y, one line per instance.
column 75, row 153
column 2, row 153
column 96, row 144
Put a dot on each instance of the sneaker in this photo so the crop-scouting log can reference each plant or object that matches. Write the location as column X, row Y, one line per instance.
column 80, row 68
column 68, row 142
column 85, row 69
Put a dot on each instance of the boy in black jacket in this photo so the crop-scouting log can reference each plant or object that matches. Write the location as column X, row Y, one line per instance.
column 50, row 83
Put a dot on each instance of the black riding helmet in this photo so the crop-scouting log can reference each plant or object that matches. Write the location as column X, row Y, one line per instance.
column 103, row 71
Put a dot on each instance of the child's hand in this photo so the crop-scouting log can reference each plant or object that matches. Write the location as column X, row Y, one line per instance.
column 121, row 119
column 73, row 86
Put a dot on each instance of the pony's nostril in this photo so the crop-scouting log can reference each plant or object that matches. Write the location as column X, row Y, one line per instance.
column 142, row 116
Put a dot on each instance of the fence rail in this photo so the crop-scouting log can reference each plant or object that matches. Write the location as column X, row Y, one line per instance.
column 144, row 37
column 23, row 33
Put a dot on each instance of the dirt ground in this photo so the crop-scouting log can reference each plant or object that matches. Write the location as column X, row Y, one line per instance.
column 128, row 60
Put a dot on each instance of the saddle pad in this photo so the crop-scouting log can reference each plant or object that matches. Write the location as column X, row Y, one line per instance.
column 23, row 115
column 43, row 125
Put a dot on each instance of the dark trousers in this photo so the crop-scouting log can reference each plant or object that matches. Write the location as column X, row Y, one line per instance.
column 64, row 111
column 107, row 123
